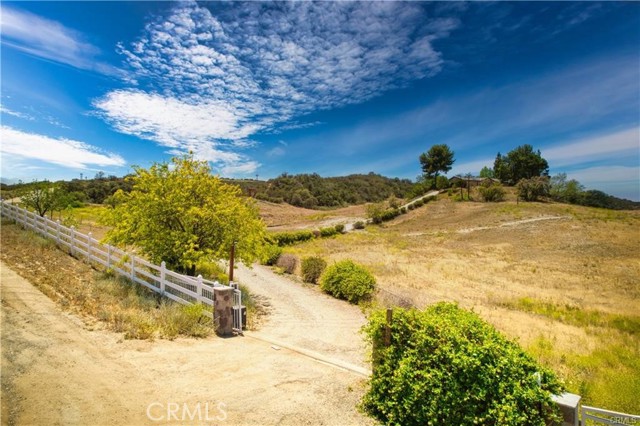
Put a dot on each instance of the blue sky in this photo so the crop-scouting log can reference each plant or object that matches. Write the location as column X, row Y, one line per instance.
column 331, row 87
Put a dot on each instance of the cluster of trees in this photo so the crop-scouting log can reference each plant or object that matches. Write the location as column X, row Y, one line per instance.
column 313, row 191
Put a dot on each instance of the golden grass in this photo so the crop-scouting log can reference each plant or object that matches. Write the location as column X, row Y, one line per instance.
column 580, row 260
column 101, row 299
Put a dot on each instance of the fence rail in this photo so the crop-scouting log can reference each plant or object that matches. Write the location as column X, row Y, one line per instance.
column 180, row 288
column 591, row 416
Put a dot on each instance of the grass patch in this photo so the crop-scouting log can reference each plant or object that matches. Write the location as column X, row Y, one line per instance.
column 577, row 316
column 607, row 377
column 102, row 297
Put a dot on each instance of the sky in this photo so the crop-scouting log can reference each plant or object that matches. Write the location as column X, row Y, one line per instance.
column 259, row 89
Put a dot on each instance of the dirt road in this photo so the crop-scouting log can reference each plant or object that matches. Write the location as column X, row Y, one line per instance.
column 56, row 371
column 304, row 318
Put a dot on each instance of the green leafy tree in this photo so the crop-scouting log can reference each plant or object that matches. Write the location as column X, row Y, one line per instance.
column 521, row 163
column 561, row 189
column 438, row 159
column 39, row 197
column 181, row 213
column 486, row 172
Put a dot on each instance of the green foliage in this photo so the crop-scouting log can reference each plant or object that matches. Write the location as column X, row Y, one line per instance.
column 492, row 192
column 375, row 212
column 288, row 263
column 271, row 254
column 312, row 269
column 563, row 190
column 521, row 163
column 534, row 188
column 359, row 225
column 180, row 213
column 403, row 210
column 486, row 172
column 211, row 271
column 349, row 281
column 328, row 232
column 339, row 228
column 445, row 366
column 313, row 191
column 438, row 159
column 442, row 182
column 291, row 237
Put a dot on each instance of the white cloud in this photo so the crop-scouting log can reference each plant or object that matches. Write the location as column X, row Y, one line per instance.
column 276, row 152
column 617, row 145
column 63, row 152
column 254, row 65
column 24, row 116
column 49, row 39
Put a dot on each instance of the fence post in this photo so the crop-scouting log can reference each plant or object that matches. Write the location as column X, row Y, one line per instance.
column 108, row 256
column 73, row 240
column 387, row 328
column 199, row 288
column 133, row 267
column 89, row 238
column 163, row 268
column 58, row 231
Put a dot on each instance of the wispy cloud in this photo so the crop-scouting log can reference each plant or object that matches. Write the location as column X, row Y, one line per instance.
column 50, row 40
column 253, row 66
column 21, row 115
column 619, row 144
column 62, row 152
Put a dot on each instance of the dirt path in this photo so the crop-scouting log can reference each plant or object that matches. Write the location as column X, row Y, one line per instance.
column 56, row 371
column 304, row 318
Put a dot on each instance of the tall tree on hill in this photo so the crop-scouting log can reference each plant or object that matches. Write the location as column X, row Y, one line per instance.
column 520, row 163
column 438, row 159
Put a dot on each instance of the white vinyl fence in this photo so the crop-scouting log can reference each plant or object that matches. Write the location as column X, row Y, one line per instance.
column 591, row 416
column 177, row 287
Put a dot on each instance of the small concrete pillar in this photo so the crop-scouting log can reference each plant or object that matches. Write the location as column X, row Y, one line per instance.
column 223, row 310
column 569, row 405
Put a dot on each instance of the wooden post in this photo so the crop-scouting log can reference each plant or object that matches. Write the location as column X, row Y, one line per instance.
column 387, row 328
column 231, row 259
column 73, row 240
column 89, row 256
column 163, row 268
column 199, row 288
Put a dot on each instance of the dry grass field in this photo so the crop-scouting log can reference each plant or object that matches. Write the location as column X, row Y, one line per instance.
column 562, row 280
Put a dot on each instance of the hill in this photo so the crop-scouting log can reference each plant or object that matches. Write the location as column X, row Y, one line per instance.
column 561, row 279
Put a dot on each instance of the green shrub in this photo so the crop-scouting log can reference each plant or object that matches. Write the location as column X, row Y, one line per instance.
column 288, row 263
column 359, row 225
column 411, row 206
column 442, row 182
column 339, row 228
column 211, row 271
column 328, row 232
column 346, row 280
column 419, row 203
column 271, row 254
column 445, row 366
column 288, row 238
column 312, row 268
column 534, row 188
column 492, row 192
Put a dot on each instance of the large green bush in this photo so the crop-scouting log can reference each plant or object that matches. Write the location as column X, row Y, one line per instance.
column 312, row 268
column 492, row 192
column 445, row 366
column 346, row 280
